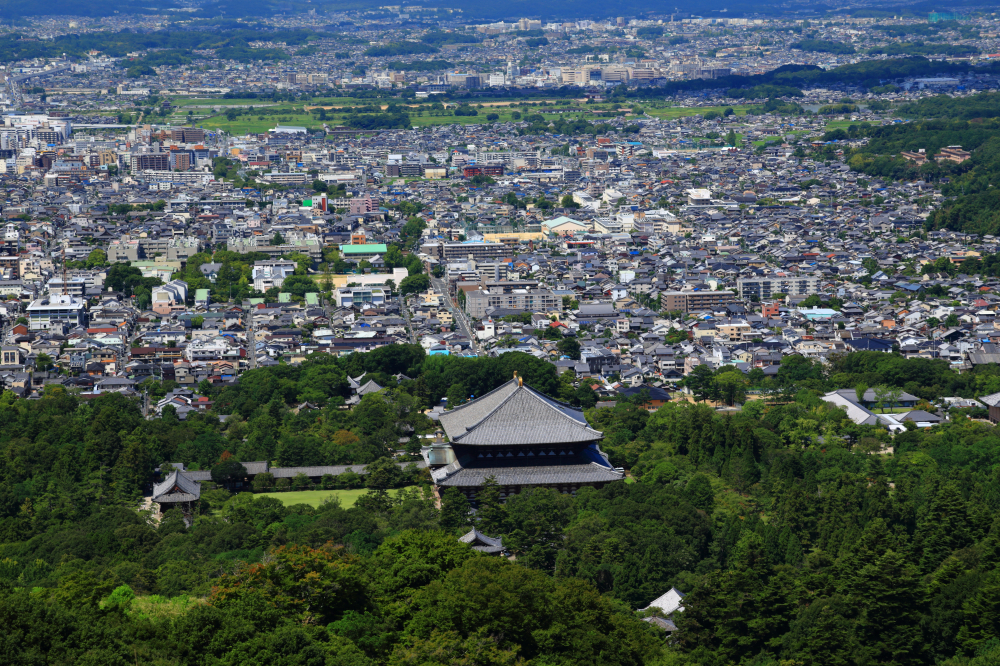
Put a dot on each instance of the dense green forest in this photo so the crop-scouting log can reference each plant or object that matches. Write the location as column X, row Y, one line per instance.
column 231, row 43
column 867, row 74
column 972, row 204
column 981, row 105
column 798, row 537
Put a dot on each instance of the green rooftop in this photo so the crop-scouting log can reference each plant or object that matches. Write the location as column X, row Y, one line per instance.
column 364, row 248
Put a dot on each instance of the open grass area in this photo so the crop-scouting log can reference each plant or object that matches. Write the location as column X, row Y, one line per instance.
column 842, row 124
column 251, row 124
column 682, row 111
column 257, row 124
column 162, row 608
column 306, row 114
column 316, row 497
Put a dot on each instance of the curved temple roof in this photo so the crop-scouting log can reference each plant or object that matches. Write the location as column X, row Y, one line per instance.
column 515, row 414
column 176, row 488
column 550, row 475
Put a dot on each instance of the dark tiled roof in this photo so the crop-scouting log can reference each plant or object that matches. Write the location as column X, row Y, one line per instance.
column 252, row 468
column 335, row 470
column 256, row 467
column 548, row 475
column 514, row 414
column 176, row 488
column 662, row 623
column 370, row 387
column 481, row 542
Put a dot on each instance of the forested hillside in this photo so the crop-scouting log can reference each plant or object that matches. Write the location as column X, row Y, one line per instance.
column 972, row 204
column 798, row 537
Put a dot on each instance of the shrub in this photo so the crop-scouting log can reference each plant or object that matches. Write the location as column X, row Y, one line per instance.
column 121, row 598
column 349, row 479
column 301, row 482
column 263, row 482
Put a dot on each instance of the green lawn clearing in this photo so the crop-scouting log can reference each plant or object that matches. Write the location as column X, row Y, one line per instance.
column 251, row 124
column 316, row 497
column 680, row 111
column 842, row 124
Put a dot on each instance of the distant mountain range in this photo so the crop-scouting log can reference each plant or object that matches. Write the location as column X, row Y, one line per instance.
column 544, row 9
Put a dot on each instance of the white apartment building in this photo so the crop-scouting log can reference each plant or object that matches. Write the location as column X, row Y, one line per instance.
column 267, row 274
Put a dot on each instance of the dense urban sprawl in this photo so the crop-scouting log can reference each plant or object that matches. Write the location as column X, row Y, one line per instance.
column 409, row 335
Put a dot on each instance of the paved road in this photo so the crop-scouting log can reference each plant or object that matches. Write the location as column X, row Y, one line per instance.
column 463, row 323
column 406, row 314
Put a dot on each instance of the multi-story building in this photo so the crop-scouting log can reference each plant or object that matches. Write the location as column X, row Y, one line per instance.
column 268, row 274
column 180, row 160
column 216, row 349
column 953, row 154
column 154, row 161
column 74, row 286
column 286, row 178
column 405, row 170
column 359, row 296
column 310, row 246
column 769, row 286
column 529, row 300
column 736, row 331
column 474, row 170
column 361, row 205
column 134, row 249
column 477, row 251
column 169, row 297
column 187, row 135
column 515, row 158
column 694, row 301
column 46, row 312
column 169, row 176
